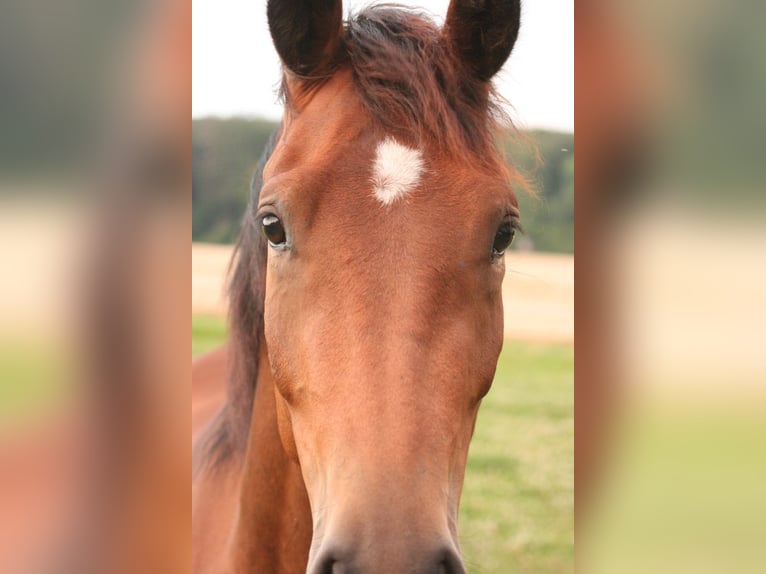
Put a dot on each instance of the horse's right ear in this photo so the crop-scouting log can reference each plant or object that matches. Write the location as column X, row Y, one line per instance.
column 308, row 34
column 482, row 33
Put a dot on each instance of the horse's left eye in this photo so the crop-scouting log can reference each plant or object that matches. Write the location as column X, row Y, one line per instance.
column 503, row 238
column 274, row 231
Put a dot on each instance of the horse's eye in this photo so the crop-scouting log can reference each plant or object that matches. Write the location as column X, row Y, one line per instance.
column 273, row 230
column 503, row 238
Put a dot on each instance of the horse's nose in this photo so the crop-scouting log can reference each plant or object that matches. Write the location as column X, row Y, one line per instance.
column 448, row 562
column 443, row 561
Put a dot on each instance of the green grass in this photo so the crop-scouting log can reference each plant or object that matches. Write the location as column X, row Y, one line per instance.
column 517, row 512
column 207, row 333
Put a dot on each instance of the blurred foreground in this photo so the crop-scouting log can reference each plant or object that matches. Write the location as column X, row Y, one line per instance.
column 671, row 276
column 94, row 227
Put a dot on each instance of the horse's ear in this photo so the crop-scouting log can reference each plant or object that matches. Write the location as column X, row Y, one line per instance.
column 307, row 34
column 482, row 33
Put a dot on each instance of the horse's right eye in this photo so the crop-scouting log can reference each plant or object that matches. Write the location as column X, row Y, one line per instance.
column 274, row 231
column 503, row 239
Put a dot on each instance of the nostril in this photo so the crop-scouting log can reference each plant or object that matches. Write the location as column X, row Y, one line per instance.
column 329, row 566
column 451, row 563
column 328, row 563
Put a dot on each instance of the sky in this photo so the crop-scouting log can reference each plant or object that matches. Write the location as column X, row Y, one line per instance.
column 235, row 69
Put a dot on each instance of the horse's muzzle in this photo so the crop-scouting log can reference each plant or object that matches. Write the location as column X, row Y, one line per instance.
column 443, row 561
column 337, row 561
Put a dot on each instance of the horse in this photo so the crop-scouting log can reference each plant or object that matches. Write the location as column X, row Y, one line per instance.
column 365, row 308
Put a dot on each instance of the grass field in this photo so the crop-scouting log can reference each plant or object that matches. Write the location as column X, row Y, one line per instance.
column 517, row 513
column 207, row 332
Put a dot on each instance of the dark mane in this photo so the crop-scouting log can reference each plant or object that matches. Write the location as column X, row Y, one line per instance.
column 227, row 434
column 414, row 88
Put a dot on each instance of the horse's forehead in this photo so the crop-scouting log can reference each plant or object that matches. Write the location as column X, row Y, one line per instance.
column 330, row 142
column 319, row 127
column 374, row 175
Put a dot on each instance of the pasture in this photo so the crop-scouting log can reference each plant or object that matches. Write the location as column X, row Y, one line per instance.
column 517, row 512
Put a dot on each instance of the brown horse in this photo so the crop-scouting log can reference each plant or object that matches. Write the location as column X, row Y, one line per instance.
column 366, row 311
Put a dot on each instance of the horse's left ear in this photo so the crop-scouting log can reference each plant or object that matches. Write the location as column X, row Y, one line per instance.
column 308, row 34
column 482, row 33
